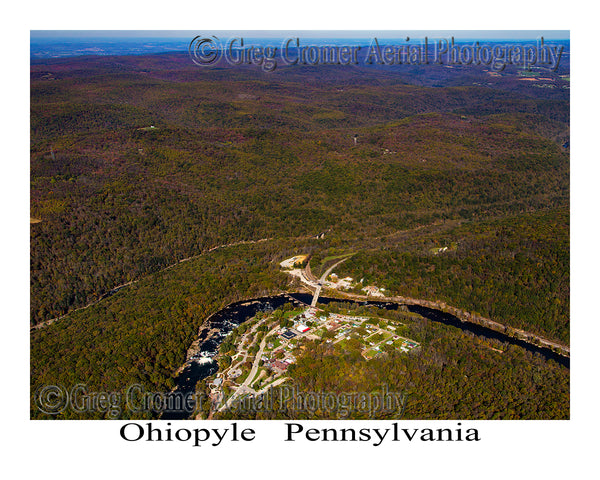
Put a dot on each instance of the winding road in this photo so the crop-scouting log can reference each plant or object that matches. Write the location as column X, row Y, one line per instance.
column 322, row 279
column 245, row 387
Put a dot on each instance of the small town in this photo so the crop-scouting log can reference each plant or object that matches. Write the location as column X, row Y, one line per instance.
column 272, row 342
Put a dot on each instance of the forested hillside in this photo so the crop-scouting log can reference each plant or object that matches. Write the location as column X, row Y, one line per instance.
column 236, row 155
column 453, row 188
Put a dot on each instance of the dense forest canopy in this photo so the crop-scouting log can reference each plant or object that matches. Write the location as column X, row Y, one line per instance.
column 139, row 162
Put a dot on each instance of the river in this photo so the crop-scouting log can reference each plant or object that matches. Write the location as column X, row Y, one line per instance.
column 225, row 320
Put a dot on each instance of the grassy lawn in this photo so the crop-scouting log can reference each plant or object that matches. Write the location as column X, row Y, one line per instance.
column 379, row 337
column 293, row 313
column 260, row 377
column 335, row 257
column 403, row 342
column 320, row 332
column 276, row 344
column 371, row 353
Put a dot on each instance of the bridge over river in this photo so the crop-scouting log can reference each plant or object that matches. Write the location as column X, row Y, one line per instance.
column 310, row 280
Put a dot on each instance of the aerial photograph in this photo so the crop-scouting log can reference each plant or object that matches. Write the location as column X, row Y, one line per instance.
column 299, row 225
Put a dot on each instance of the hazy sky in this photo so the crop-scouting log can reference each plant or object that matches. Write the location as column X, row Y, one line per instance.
column 417, row 34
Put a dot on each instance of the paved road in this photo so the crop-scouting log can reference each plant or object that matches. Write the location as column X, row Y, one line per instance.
column 322, row 279
column 245, row 387
column 241, row 350
column 279, row 381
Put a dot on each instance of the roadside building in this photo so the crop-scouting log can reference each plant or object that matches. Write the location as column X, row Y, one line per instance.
column 288, row 334
column 279, row 366
column 333, row 326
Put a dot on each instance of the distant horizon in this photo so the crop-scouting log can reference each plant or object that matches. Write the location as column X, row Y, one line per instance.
column 70, row 43
column 335, row 34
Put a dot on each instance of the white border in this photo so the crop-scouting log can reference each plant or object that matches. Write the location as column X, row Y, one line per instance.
column 93, row 449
